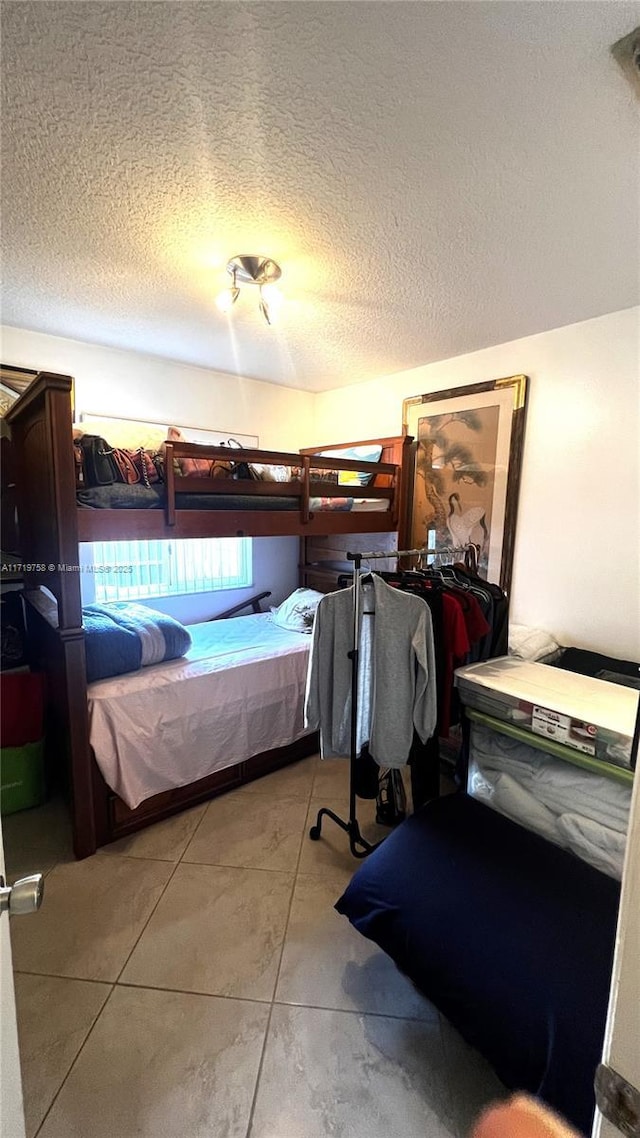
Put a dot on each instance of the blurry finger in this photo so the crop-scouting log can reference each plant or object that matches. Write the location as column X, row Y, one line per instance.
column 521, row 1117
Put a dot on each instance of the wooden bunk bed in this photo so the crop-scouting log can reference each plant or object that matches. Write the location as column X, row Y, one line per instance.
column 51, row 525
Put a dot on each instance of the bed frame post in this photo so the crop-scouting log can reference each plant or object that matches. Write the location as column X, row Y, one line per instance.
column 306, row 489
column 40, row 424
column 170, row 484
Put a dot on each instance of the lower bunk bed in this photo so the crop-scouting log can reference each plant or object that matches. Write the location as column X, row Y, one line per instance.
column 237, row 693
column 146, row 744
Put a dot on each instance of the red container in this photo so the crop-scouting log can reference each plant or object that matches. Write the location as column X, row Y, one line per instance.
column 21, row 708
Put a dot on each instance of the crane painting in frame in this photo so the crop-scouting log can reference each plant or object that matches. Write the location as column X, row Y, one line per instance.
column 468, row 451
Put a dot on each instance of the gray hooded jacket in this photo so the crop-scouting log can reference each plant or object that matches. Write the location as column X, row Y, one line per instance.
column 402, row 683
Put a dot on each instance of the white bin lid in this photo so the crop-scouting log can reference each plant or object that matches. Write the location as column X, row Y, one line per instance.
column 606, row 705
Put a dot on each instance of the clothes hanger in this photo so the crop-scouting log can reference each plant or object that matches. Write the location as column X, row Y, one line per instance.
column 365, row 571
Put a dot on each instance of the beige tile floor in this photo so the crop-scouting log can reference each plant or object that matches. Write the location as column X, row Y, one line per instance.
column 194, row 981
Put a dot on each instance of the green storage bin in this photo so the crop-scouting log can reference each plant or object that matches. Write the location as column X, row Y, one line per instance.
column 21, row 777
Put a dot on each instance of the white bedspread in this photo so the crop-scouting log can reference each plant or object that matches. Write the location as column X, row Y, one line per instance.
column 238, row 692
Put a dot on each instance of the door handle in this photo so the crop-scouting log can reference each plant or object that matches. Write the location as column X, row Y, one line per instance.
column 24, row 896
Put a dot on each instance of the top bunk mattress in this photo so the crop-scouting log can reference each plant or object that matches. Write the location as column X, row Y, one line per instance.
column 119, row 496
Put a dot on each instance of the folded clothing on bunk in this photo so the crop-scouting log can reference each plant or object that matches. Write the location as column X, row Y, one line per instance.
column 518, row 804
column 557, row 784
column 580, row 811
column 585, row 663
column 124, row 637
column 601, row 846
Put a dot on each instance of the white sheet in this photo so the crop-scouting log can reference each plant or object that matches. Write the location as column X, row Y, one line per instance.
column 238, row 692
column 558, row 785
column 517, row 803
column 583, row 812
column 600, row 846
column 506, row 795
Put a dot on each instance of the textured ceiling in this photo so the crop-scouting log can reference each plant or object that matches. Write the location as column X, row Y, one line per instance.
column 432, row 177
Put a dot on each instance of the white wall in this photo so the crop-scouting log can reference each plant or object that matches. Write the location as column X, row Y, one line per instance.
column 136, row 386
column 577, row 551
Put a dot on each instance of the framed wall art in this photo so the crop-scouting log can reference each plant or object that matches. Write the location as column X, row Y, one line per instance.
column 14, row 381
column 468, row 453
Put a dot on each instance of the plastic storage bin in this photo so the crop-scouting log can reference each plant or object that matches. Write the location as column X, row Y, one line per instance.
column 22, row 782
column 592, row 716
column 21, row 777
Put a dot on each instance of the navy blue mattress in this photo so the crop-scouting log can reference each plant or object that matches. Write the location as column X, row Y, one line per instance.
column 509, row 936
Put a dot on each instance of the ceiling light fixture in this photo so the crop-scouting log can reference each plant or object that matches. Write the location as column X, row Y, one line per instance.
column 251, row 270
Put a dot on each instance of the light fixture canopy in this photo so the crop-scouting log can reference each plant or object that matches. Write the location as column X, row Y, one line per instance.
column 248, row 269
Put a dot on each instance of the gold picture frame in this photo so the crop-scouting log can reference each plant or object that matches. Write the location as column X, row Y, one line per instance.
column 468, row 444
column 14, row 381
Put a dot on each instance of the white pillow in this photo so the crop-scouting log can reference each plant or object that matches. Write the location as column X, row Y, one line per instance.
column 297, row 613
column 531, row 643
column 127, row 433
column 266, row 473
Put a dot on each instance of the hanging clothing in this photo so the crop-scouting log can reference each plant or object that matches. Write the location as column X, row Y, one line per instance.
column 396, row 674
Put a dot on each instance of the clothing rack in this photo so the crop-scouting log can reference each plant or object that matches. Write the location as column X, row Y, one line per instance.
column 359, row 845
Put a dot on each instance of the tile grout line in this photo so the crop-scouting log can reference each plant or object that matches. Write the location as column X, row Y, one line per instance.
column 172, row 875
column 192, row 992
column 162, row 892
column 357, row 1012
column 228, row 865
column 275, row 986
column 113, row 984
column 144, row 927
column 272, row 1003
column 451, row 1103
column 80, row 1050
column 197, row 827
column 59, row 976
column 225, row 996
column 116, row 983
column 263, row 1052
column 146, row 923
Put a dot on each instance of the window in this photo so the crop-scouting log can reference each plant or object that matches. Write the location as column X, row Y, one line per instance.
column 139, row 570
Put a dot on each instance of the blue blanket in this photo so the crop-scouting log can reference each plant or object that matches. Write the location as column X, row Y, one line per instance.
column 123, row 637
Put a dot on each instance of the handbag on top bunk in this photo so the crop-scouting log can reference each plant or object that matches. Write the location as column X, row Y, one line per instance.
column 99, row 467
column 239, row 469
column 136, row 466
